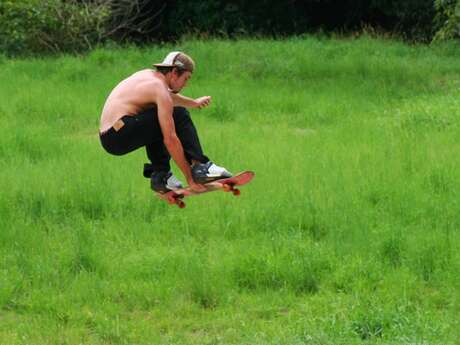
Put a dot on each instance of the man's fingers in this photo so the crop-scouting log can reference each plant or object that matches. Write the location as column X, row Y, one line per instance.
column 204, row 104
column 204, row 101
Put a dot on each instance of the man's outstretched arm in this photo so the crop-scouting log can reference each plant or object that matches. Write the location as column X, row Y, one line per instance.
column 187, row 102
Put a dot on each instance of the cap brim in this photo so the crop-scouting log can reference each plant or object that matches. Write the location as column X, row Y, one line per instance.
column 163, row 65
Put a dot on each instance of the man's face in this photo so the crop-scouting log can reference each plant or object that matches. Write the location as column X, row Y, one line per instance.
column 177, row 82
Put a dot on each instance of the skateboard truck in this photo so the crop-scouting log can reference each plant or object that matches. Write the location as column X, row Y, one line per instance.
column 230, row 187
column 177, row 199
column 180, row 203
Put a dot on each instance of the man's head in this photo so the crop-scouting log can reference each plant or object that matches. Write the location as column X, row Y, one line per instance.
column 178, row 68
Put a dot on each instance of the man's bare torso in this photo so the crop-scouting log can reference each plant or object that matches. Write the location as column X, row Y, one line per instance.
column 131, row 96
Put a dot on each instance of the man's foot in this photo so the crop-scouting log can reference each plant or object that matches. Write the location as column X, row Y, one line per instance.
column 163, row 182
column 208, row 172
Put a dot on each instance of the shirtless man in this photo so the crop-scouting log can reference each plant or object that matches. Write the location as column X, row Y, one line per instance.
column 146, row 110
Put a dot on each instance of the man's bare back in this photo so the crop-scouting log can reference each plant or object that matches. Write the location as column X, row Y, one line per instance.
column 131, row 96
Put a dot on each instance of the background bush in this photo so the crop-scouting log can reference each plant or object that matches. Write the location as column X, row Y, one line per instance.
column 33, row 26
column 448, row 19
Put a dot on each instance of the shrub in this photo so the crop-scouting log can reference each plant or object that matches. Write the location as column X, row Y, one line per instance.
column 447, row 19
column 51, row 26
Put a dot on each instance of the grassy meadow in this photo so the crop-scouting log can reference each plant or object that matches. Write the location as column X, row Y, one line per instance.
column 349, row 233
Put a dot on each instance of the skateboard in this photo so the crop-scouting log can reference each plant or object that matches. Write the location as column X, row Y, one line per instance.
column 175, row 197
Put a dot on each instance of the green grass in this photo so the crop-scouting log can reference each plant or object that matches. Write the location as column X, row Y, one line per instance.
column 349, row 233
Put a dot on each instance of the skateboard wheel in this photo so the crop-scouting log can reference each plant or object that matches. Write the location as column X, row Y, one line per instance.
column 236, row 192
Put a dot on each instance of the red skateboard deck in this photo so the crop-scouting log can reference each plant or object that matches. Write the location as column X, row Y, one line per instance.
column 227, row 185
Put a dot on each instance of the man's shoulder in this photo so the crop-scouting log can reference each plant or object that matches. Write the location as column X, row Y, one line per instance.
column 149, row 87
column 146, row 76
column 148, row 81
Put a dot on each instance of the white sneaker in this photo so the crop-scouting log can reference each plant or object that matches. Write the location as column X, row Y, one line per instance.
column 217, row 171
column 207, row 172
column 163, row 182
column 173, row 182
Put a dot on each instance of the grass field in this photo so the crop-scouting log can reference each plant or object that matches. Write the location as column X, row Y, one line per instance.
column 349, row 233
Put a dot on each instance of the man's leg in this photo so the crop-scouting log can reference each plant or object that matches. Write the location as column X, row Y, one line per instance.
column 159, row 168
column 144, row 130
column 188, row 135
column 159, row 158
column 203, row 169
column 136, row 131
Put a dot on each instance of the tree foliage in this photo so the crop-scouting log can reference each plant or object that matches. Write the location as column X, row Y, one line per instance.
column 35, row 26
column 448, row 19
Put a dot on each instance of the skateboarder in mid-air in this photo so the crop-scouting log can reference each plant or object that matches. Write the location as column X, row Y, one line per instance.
column 146, row 109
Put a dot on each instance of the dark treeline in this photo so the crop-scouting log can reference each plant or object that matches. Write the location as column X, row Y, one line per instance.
column 412, row 19
column 53, row 26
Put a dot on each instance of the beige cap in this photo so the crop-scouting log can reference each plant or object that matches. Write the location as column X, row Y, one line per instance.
column 177, row 59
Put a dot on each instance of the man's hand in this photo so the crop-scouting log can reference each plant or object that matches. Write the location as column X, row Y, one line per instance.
column 196, row 187
column 203, row 101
